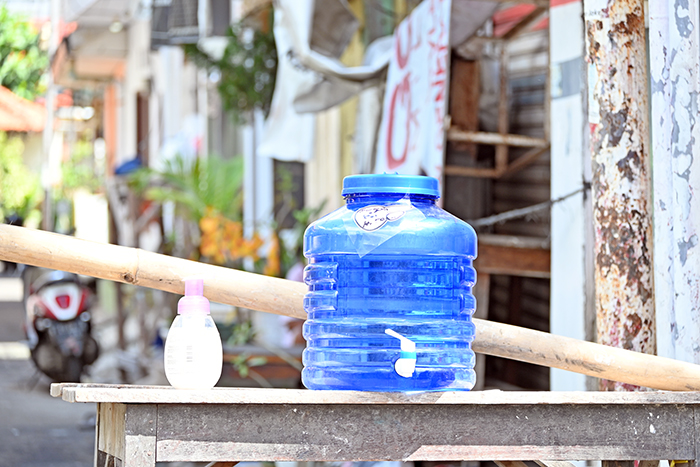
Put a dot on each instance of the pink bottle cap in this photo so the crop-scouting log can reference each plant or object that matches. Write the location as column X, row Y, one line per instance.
column 194, row 300
column 194, row 286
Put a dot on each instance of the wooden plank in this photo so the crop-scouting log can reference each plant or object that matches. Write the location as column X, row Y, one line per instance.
column 464, row 99
column 241, row 396
column 515, row 241
column 110, row 429
column 482, row 137
column 56, row 389
column 523, row 161
column 140, row 435
column 422, row 432
column 528, row 262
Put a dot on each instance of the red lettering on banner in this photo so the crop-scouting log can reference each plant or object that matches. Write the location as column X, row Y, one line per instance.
column 402, row 57
column 438, row 68
column 402, row 91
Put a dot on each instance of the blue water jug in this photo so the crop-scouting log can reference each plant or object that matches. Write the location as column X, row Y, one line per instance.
column 389, row 303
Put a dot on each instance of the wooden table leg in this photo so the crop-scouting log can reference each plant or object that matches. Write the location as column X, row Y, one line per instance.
column 109, row 434
column 126, row 433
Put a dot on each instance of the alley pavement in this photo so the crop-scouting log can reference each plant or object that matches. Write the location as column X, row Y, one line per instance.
column 36, row 430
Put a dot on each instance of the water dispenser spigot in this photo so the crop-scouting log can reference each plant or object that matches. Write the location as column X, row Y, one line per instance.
column 405, row 366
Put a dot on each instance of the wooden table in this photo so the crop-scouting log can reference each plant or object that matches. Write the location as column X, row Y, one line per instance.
column 139, row 425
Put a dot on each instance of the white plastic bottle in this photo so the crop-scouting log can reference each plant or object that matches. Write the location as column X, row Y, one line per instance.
column 193, row 350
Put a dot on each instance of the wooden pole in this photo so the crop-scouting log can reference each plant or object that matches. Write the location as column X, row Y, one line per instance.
column 283, row 297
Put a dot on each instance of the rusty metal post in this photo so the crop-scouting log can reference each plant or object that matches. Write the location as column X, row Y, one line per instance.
column 622, row 206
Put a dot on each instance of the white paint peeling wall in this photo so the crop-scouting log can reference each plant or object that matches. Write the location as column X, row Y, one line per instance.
column 568, row 152
column 675, row 85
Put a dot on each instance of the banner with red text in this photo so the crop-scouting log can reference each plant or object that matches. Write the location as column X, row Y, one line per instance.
column 411, row 135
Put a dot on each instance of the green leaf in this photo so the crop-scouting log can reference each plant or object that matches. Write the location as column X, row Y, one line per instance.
column 20, row 190
column 194, row 186
column 22, row 63
column 247, row 69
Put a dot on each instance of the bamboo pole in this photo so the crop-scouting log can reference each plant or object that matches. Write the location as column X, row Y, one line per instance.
column 138, row 267
column 283, row 297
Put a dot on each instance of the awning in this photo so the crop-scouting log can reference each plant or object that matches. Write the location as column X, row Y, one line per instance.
column 19, row 114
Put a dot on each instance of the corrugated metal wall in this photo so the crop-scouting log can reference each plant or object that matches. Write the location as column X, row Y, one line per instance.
column 523, row 301
column 528, row 69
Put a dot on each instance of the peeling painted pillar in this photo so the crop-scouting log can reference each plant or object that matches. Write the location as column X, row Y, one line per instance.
column 621, row 186
column 674, row 35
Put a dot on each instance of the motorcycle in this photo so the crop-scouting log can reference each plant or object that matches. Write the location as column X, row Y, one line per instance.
column 58, row 324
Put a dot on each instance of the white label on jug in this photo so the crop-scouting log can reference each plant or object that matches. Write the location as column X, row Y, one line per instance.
column 374, row 217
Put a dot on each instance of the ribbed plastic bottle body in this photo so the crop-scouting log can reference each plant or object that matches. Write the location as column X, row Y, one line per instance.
column 193, row 352
column 415, row 281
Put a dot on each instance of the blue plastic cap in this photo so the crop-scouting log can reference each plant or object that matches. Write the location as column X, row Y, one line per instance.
column 391, row 183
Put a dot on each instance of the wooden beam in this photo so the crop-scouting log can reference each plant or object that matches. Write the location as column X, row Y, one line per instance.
column 527, row 262
column 464, row 99
column 487, row 172
column 482, row 137
column 526, row 22
column 523, row 161
column 515, row 241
